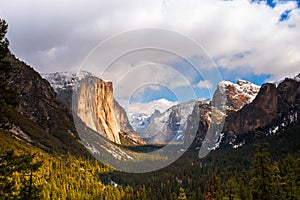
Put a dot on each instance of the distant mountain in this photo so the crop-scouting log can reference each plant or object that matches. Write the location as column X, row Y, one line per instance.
column 141, row 114
column 168, row 124
column 139, row 121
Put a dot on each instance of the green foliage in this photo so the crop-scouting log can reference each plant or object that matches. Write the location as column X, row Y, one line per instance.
column 69, row 177
column 213, row 190
column 182, row 195
column 8, row 95
column 261, row 174
column 3, row 41
column 17, row 176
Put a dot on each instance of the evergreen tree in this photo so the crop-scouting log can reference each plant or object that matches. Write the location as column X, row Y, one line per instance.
column 8, row 96
column 213, row 190
column 141, row 193
column 230, row 189
column 3, row 40
column 23, row 167
column 261, row 181
column 277, row 191
column 182, row 195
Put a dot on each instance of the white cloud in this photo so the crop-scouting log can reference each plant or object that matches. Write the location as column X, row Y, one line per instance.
column 149, row 107
column 205, row 84
column 224, row 28
column 134, row 80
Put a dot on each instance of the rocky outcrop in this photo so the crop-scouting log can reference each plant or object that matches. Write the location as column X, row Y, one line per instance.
column 95, row 107
column 239, row 94
column 273, row 106
column 63, row 84
column 257, row 114
column 167, row 124
column 40, row 115
column 94, row 103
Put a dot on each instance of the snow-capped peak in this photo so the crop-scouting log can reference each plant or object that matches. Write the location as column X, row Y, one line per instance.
column 239, row 94
column 140, row 114
column 66, row 79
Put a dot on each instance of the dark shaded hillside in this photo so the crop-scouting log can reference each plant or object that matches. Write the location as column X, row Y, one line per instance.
column 39, row 114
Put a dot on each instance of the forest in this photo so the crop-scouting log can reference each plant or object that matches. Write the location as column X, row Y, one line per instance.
column 254, row 171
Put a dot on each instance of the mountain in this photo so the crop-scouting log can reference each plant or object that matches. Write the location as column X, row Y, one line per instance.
column 141, row 114
column 94, row 103
column 141, row 120
column 275, row 107
column 168, row 123
column 63, row 83
column 239, row 94
column 270, row 110
column 40, row 118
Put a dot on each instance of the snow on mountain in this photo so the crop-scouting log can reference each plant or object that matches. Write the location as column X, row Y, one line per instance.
column 139, row 121
column 65, row 80
column 141, row 114
column 170, row 125
column 239, row 94
column 297, row 78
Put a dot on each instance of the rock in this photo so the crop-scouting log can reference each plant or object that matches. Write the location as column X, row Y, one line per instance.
column 273, row 106
column 40, row 115
column 94, row 103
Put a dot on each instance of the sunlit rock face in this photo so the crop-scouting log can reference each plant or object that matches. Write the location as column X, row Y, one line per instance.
column 95, row 106
column 94, row 103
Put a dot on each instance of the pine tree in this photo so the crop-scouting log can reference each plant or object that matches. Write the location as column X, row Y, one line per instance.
column 182, row 195
column 261, row 181
column 213, row 190
column 25, row 167
column 141, row 193
column 277, row 191
column 8, row 96
column 230, row 189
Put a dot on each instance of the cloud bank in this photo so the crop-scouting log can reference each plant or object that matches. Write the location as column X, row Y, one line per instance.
column 57, row 35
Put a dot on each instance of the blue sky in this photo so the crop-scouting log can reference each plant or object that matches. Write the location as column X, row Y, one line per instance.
column 232, row 75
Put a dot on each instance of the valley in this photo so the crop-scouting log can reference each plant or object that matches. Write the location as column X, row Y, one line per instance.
column 64, row 135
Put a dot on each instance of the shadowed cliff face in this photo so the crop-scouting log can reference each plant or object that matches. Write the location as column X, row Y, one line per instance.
column 273, row 106
column 95, row 105
column 257, row 114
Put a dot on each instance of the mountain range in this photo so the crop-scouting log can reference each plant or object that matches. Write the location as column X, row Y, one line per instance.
column 49, row 104
column 270, row 108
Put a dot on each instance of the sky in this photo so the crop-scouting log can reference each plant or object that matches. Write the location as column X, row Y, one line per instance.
column 217, row 40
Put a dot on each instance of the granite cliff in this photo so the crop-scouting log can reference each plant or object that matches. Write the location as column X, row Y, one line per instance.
column 94, row 103
column 275, row 106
